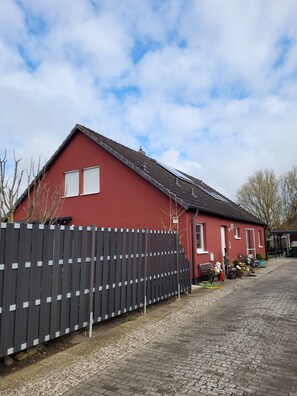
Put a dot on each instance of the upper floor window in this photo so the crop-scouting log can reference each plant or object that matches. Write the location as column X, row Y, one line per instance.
column 91, row 180
column 71, row 184
column 83, row 182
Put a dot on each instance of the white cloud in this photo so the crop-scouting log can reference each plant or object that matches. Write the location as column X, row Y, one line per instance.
column 209, row 87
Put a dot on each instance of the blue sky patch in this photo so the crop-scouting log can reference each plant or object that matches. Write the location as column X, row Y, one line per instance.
column 36, row 24
column 234, row 90
column 283, row 46
column 30, row 64
column 142, row 47
column 123, row 92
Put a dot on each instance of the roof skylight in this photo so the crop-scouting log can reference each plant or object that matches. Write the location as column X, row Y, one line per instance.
column 175, row 172
column 214, row 194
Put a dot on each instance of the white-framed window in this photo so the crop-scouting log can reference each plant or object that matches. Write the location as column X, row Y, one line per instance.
column 260, row 239
column 200, row 242
column 250, row 241
column 237, row 233
column 71, row 184
column 91, row 180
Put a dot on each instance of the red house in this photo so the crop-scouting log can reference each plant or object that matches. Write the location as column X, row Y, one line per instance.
column 110, row 185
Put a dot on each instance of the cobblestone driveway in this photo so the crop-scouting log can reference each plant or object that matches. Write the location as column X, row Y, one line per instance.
column 244, row 343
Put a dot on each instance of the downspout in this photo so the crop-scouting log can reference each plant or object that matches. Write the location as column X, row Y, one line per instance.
column 193, row 245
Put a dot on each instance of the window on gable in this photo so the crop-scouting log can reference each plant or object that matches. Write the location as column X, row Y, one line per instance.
column 200, row 243
column 91, row 180
column 237, row 233
column 71, row 184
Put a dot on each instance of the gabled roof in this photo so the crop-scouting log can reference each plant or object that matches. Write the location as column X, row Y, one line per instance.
column 189, row 192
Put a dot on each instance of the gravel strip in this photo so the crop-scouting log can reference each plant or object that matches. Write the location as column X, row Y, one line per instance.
column 58, row 374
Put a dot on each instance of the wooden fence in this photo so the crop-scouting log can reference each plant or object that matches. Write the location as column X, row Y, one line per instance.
column 58, row 279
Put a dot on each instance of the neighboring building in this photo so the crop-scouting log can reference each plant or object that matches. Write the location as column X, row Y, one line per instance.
column 110, row 185
column 282, row 241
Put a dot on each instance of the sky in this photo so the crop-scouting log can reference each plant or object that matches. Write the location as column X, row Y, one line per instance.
column 206, row 86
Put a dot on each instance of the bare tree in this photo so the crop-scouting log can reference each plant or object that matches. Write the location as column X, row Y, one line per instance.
column 171, row 215
column 289, row 197
column 260, row 196
column 9, row 187
column 44, row 202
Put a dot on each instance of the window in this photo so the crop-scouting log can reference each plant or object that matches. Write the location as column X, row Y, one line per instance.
column 200, row 238
column 250, row 241
column 91, row 181
column 237, row 233
column 71, row 184
column 260, row 239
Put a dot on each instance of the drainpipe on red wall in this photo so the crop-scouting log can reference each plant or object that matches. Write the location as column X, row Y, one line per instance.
column 193, row 245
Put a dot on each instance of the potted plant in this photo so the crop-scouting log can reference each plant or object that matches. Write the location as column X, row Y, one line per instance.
column 235, row 262
column 260, row 258
column 240, row 268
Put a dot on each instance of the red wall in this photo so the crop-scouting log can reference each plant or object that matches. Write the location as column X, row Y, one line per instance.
column 126, row 200
column 212, row 236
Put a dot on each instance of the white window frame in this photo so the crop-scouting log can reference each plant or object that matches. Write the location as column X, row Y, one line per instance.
column 260, row 239
column 201, row 248
column 250, row 249
column 73, row 177
column 237, row 233
column 91, row 187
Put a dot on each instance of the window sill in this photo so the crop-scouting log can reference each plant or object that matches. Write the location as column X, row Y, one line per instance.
column 202, row 251
column 70, row 196
column 92, row 193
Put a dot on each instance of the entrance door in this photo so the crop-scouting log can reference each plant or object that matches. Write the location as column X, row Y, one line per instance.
column 250, row 241
column 223, row 242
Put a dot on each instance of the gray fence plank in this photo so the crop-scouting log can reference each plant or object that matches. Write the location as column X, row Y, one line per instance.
column 118, row 270
column 75, row 279
column 46, row 283
column 129, row 270
column 124, row 285
column 134, row 270
column 98, row 276
column 83, row 317
column 6, row 345
column 55, row 283
column 162, row 237
column 22, row 286
column 66, row 281
column 112, row 273
column 34, row 286
column 140, row 270
column 105, row 274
